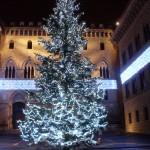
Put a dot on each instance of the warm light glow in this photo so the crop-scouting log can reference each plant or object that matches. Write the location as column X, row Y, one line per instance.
column 30, row 84
column 136, row 66
column 117, row 23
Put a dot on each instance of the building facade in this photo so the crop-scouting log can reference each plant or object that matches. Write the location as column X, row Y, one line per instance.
column 133, row 39
column 18, row 45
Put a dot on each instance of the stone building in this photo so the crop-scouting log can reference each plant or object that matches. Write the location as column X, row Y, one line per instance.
column 133, row 39
column 18, row 45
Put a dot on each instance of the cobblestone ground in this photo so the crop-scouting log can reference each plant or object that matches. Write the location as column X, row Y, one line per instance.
column 109, row 141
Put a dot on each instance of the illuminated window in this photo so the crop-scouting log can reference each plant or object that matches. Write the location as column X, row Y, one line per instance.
column 137, row 116
column 130, row 118
column 29, row 45
column 11, row 44
column 146, row 113
column 102, row 46
column 146, row 32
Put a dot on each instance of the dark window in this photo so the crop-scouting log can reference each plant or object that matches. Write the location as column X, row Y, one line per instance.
column 89, row 34
column 97, row 34
column 29, row 45
column 127, row 91
column 32, row 72
column 85, row 47
column 142, row 80
column 21, row 32
column 130, row 118
column 137, row 116
column 130, row 50
column 146, row 32
column 25, row 72
column 13, row 72
column 107, row 72
column 10, row 72
column 137, row 42
column 11, row 45
column 102, row 46
column 93, row 34
column 7, row 32
column 124, row 58
column 84, row 34
column 35, row 33
column 6, row 72
column 30, row 32
column 29, row 72
column 102, row 34
column 16, row 32
column 134, row 88
column 39, row 33
column 12, row 32
column 106, row 34
column 44, row 33
column 146, row 113
column 104, row 73
column 101, row 72
column 25, row 32
column 106, row 95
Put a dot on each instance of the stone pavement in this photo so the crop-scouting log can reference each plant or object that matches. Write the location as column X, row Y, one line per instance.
column 109, row 141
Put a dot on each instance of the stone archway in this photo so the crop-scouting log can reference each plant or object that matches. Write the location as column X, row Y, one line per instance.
column 17, row 109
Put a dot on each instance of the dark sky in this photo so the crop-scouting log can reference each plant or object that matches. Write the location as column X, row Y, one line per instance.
column 105, row 12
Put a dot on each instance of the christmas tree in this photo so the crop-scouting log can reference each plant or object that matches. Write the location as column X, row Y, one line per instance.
column 67, row 109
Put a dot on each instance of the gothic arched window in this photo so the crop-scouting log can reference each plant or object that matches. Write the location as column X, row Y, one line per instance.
column 29, row 72
column 104, row 70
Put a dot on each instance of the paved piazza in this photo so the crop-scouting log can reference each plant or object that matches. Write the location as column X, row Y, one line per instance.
column 109, row 141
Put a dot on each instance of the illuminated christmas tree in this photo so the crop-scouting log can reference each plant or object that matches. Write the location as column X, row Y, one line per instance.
column 67, row 109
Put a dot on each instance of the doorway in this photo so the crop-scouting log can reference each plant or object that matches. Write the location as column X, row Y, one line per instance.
column 17, row 113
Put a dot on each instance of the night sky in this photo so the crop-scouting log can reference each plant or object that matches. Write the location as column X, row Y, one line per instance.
column 96, row 12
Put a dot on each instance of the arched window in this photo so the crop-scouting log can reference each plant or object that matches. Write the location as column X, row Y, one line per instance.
column 10, row 69
column 11, row 44
column 29, row 72
column 10, row 72
column 29, row 45
column 32, row 72
column 104, row 70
